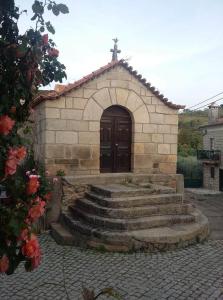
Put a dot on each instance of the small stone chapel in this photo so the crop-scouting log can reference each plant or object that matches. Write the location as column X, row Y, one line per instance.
column 110, row 121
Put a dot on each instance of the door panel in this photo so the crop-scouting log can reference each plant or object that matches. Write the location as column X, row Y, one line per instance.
column 115, row 148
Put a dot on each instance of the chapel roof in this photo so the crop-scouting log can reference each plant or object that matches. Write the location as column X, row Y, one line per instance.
column 62, row 90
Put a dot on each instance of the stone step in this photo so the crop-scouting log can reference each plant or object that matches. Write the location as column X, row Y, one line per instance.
column 121, row 190
column 132, row 224
column 61, row 235
column 88, row 206
column 134, row 201
column 153, row 239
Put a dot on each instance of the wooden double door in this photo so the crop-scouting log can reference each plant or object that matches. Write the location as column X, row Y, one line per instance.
column 115, row 140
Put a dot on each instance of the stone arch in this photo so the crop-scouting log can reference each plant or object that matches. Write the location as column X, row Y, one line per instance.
column 106, row 97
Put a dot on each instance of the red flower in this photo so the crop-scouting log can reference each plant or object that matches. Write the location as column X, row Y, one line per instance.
column 11, row 162
column 14, row 157
column 45, row 39
column 31, row 247
column 6, row 124
column 35, row 261
column 21, row 153
column 48, row 196
column 4, row 264
column 24, row 235
column 36, row 211
column 32, row 185
column 53, row 52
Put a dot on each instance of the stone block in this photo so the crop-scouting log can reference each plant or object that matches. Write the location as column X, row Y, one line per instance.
column 134, row 86
column 174, row 129
column 92, row 111
column 54, row 151
column 138, row 148
column 57, row 103
column 170, row 138
column 157, row 118
column 142, row 92
column 102, row 97
column 151, row 108
column 164, row 109
column 55, row 124
column 81, row 152
column 71, row 114
column 134, row 101
column 91, row 85
column 94, row 126
column 138, row 127
column 77, row 125
column 89, row 163
column 173, row 148
column 141, row 115
column 89, row 92
column 142, row 137
column 171, row 119
column 52, row 113
column 157, row 138
column 69, row 102
column 79, row 103
column 156, row 101
column 78, row 93
column 48, row 137
column 164, row 148
column 147, row 100
column 150, row 148
column 121, row 96
column 66, row 161
column 118, row 75
column 90, row 138
column 150, row 128
column 143, row 161
column 113, row 96
column 102, row 84
column 167, row 168
column 120, row 83
column 68, row 151
column 95, row 152
column 66, row 137
column 164, row 129
column 149, row 93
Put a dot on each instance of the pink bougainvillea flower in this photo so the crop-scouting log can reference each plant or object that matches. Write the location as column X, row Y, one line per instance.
column 24, row 235
column 33, row 185
column 55, row 180
column 48, row 196
column 6, row 124
column 11, row 162
column 53, row 52
column 4, row 264
column 37, row 210
column 31, row 247
column 21, row 153
column 45, row 39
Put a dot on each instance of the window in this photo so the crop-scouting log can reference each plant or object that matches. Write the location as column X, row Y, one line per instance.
column 211, row 143
column 212, row 172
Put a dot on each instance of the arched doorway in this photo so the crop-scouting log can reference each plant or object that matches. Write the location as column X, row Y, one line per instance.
column 115, row 140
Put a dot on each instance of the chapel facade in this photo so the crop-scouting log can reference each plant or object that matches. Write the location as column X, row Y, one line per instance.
column 110, row 121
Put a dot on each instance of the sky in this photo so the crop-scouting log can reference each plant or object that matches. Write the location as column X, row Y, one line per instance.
column 176, row 45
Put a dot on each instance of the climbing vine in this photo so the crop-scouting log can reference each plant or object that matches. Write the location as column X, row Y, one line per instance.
column 27, row 61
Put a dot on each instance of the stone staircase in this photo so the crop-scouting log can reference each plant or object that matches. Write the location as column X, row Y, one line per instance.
column 129, row 217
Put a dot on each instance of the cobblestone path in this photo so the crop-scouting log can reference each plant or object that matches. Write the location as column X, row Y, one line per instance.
column 192, row 273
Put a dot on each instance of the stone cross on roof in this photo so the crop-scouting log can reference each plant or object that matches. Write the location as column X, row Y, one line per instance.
column 115, row 51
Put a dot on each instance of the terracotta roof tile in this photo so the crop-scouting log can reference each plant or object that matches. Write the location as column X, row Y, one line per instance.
column 64, row 89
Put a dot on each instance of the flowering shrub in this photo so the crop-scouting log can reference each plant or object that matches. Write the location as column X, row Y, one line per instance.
column 26, row 61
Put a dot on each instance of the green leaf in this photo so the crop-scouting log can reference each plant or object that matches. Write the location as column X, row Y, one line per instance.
column 49, row 6
column 34, row 17
column 38, row 8
column 63, row 8
column 55, row 10
column 42, row 29
column 50, row 28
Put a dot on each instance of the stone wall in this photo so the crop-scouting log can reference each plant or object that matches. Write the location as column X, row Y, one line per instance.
column 68, row 129
column 215, row 132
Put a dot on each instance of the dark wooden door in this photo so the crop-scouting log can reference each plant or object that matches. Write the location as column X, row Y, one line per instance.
column 220, row 180
column 115, row 140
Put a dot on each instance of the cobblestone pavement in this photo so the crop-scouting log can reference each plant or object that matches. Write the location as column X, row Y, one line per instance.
column 192, row 273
